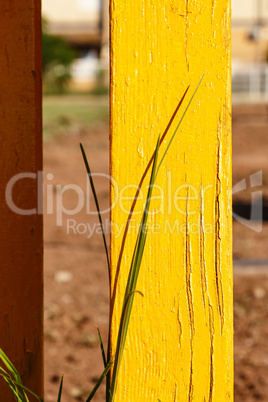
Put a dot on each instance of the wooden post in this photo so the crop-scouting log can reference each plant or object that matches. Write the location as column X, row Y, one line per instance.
column 21, row 283
column 179, row 344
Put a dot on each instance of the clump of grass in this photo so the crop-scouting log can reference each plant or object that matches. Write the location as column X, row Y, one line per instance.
column 12, row 376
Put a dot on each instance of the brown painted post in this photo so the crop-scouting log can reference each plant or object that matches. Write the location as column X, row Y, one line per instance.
column 21, row 249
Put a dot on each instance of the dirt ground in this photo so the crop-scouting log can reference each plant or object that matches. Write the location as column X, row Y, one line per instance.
column 76, row 280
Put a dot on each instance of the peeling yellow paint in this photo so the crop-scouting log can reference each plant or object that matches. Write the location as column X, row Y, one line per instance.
column 179, row 345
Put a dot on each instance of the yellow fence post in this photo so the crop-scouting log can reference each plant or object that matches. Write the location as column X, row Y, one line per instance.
column 179, row 344
column 21, row 283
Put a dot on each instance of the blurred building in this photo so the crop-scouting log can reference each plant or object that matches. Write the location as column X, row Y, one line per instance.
column 85, row 25
column 250, row 47
column 250, row 29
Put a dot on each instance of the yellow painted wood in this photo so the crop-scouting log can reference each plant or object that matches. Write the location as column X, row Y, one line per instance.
column 21, row 247
column 179, row 345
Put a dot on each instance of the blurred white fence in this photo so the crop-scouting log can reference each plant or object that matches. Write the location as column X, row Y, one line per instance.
column 250, row 80
column 86, row 68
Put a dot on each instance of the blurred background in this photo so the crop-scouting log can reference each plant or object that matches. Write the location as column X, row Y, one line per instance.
column 76, row 109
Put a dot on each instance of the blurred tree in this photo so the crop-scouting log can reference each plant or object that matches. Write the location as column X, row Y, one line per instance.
column 57, row 57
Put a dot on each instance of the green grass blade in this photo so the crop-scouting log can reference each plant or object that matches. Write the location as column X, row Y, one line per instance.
column 134, row 271
column 105, row 244
column 105, row 372
column 132, row 280
column 4, row 371
column 97, row 205
column 60, row 390
column 175, row 132
column 102, row 349
column 138, row 251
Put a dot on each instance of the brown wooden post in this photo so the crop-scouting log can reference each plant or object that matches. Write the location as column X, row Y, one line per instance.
column 21, row 249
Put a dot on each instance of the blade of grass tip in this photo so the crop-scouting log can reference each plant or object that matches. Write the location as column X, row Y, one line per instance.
column 60, row 390
column 97, row 204
column 105, row 372
column 184, row 113
column 132, row 280
column 102, row 348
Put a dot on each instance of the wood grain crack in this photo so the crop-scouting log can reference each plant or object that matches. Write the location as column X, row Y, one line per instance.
column 203, row 273
column 189, row 298
column 218, row 275
column 211, row 331
column 175, row 393
column 179, row 325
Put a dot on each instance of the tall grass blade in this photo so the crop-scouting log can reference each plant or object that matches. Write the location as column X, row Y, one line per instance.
column 60, row 390
column 97, row 205
column 175, row 132
column 132, row 280
column 102, row 348
column 137, row 259
column 105, row 372
column 107, row 358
